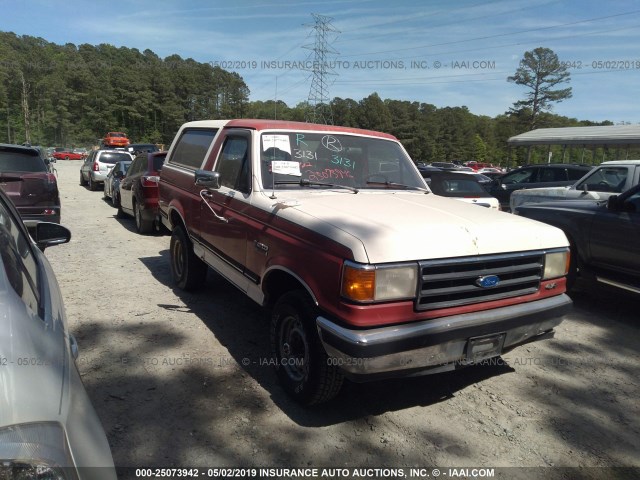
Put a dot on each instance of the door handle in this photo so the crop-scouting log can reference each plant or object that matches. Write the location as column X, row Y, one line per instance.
column 205, row 195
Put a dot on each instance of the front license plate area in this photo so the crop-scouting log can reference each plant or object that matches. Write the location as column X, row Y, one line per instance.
column 481, row 348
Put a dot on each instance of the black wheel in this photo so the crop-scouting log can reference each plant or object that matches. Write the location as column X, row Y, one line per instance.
column 187, row 271
column 120, row 213
column 92, row 185
column 83, row 182
column 115, row 199
column 142, row 226
column 302, row 365
column 66, row 157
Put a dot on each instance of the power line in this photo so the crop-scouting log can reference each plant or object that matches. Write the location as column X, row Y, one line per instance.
column 319, row 109
column 492, row 36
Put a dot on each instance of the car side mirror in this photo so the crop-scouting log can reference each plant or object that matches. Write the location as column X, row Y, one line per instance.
column 207, row 179
column 48, row 234
column 613, row 203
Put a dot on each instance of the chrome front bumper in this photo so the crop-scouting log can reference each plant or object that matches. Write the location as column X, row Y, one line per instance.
column 437, row 345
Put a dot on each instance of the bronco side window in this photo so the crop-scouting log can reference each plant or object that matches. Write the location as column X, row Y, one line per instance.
column 192, row 147
column 233, row 163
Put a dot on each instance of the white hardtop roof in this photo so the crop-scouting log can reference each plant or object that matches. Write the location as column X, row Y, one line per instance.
column 206, row 124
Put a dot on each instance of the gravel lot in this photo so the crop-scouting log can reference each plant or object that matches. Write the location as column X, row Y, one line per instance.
column 182, row 380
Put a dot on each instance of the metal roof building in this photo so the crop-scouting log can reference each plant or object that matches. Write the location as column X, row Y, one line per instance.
column 617, row 136
column 607, row 135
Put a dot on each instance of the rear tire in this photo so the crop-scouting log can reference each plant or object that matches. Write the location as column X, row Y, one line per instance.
column 115, row 199
column 83, row 182
column 120, row 213
column 187, row 271
column 302, row 365
column 92, row 185
column 142, row 226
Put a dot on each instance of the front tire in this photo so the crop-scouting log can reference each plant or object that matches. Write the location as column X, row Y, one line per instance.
column 302, row 365
column 187, row 271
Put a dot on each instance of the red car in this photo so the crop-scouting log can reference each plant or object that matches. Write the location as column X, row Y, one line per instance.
column 26, row 180
column 139, row 190
column 67, row 155
column 115, row 139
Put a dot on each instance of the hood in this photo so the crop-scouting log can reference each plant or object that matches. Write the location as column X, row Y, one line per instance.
column 382, row 227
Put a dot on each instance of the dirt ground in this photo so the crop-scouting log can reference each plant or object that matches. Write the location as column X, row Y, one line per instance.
column 182, row 380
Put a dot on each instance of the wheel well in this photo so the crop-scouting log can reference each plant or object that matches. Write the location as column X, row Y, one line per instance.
column 279, row 282
column 572, row 245
column 176, row 220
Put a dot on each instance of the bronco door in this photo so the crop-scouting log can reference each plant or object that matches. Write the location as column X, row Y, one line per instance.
column 224, row 212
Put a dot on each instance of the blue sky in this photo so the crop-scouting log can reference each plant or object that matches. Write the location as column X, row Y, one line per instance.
column 443, row 52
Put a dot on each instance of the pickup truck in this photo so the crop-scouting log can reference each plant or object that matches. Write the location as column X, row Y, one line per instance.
column 609, row 178
column 366, row 273
column 604, row 235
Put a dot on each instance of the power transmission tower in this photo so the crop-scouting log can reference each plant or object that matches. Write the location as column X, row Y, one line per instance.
column 318, row 107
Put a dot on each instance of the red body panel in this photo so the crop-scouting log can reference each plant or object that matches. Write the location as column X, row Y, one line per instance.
column 67, row 156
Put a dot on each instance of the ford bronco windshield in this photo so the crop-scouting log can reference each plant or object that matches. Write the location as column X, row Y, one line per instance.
column 297, row 159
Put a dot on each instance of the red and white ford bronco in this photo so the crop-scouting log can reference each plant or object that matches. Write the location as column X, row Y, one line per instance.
column 366, row 273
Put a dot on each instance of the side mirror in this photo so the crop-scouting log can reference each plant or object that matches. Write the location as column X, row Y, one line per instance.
column 613, row 204
column 207, row 179
column 48, row 234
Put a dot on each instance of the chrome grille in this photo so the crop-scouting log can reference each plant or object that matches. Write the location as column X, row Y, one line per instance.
column 452, row 282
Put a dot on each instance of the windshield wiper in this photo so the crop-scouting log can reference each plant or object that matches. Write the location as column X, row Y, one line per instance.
column 394, row 184
column 308, row 183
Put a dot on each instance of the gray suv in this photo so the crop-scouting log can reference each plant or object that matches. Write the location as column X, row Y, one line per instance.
column 535, row 176
column 98, row 164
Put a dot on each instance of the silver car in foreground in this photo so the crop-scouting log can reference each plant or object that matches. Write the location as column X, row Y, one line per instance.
column 48, row 427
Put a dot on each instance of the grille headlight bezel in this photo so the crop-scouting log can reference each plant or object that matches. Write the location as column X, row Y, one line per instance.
column 365, row 283
column 556, row 264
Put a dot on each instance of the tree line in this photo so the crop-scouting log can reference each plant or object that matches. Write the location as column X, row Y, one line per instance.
column 68, row 95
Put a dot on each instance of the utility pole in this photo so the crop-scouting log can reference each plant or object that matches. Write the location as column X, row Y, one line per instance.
column 318, row 107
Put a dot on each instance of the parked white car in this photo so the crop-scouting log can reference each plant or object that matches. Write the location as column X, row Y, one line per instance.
column 610, row 178
column 48, row 427
column 98, row 164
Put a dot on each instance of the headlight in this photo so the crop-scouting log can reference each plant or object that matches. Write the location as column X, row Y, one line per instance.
column 377, row 283
column 556, row 264
column 36, row 450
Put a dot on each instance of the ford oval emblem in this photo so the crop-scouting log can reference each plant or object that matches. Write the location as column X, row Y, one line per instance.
column 488, row 281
